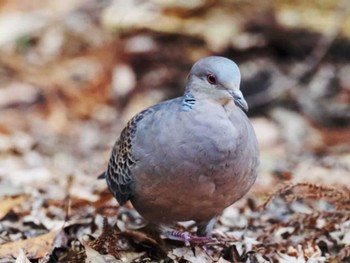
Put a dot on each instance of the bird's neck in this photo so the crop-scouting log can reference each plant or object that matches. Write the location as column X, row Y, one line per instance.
column 194, row 97
column 188, row 101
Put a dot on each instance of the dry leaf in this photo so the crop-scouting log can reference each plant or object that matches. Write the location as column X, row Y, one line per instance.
column 8, row 203
column 22, row 257
column 36, row 247
column 92, row 256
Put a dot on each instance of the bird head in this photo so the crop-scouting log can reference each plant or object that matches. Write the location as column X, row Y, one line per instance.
column 218, row 79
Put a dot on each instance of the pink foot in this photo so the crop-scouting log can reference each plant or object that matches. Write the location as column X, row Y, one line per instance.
column 187, row 238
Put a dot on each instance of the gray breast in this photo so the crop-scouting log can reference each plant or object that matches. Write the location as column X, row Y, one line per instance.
column 194, row 162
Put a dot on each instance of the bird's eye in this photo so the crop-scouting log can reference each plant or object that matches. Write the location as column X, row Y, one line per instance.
column 211, row 79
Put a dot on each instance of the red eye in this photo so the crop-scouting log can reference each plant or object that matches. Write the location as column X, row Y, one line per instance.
column 211, row 79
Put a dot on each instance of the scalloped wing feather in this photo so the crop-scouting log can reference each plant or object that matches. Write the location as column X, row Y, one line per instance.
column 119, row 172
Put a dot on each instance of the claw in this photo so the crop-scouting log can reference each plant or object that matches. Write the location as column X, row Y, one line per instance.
column 187, row 238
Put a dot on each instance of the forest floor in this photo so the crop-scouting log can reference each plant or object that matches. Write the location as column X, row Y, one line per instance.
column 72, row 74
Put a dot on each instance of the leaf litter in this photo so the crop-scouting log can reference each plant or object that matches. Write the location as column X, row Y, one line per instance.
column 62, row 107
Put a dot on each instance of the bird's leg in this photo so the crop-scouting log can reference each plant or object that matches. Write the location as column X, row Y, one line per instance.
column 186, row 237
column 204, row 228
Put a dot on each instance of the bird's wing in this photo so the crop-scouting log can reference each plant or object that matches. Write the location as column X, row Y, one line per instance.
column 119, row 172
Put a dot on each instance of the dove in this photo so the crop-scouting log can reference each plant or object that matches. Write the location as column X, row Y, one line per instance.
column 190, row 157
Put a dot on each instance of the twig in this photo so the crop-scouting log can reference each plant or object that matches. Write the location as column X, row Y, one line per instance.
column 314, row 59
column 285, row 83
column 67, row 198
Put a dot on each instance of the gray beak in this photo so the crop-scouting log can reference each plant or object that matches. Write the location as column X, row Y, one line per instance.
column 239, row 99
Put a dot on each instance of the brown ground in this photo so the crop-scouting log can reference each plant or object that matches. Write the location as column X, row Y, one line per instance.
column 73, row 72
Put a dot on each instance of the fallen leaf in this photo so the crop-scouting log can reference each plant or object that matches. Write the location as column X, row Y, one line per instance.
column 92, row 256
column 36, row 247
column 22, row 257
column 8, row 203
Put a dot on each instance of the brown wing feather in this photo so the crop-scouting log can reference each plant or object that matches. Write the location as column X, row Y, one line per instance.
column 119, row 172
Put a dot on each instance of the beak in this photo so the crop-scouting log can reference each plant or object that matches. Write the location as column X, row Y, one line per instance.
column 239, row 99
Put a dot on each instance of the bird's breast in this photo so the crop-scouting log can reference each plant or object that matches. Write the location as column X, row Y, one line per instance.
column 193, row 165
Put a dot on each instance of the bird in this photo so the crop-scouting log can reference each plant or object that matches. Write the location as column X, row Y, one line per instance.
column 190, row 157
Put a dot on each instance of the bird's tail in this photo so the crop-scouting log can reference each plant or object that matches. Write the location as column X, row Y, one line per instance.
column 102, row 176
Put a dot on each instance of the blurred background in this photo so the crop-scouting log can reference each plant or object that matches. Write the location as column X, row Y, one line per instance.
column 72, row 73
